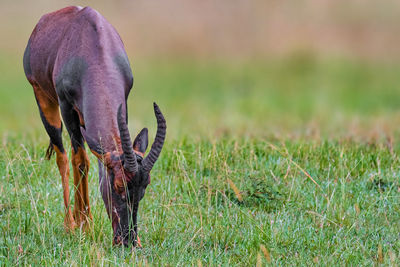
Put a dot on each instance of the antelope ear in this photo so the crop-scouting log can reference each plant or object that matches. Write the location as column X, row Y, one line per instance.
column 141, row 141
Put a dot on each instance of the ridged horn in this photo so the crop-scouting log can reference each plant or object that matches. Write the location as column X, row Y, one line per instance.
column 130, row 163
column 151, row 158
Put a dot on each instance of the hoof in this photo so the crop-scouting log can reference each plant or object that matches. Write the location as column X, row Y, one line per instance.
column 70, row 225
column 84, row 222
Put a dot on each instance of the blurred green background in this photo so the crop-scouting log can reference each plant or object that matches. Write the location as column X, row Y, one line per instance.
column 254, row 68
column 296, row 104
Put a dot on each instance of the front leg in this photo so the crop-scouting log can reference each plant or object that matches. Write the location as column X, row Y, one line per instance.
column 80, row 165
column 50, row 115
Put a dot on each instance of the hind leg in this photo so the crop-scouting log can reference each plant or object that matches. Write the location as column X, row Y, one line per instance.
column 80, row 165
column 50, row 115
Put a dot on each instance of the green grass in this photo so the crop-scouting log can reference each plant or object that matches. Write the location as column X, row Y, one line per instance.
column 310, row 144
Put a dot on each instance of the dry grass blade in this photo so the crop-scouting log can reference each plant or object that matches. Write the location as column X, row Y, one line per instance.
column 392, row 257
column 297, row 165
column 380, row 254
column 305, row 172
column 235, row 189
column 259, row 263
column 321, row 216
column 300, row 168
column 266, row 253
column 357, row 208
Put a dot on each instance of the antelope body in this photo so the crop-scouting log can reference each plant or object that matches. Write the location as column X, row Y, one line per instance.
column 76, row 63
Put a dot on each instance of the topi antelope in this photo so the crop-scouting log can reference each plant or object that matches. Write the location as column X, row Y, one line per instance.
column 76, row 63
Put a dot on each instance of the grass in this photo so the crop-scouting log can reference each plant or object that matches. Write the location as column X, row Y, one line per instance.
column 290, row 162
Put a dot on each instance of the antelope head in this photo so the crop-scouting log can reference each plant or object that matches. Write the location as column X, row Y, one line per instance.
column 124, row 177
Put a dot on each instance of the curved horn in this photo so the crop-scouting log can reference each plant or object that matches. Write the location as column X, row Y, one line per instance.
column 130, row 163
column 150, row 159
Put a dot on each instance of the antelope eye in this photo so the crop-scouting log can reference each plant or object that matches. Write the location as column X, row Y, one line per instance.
column 139, row 158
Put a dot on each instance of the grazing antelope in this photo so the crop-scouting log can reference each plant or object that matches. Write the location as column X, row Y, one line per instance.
column 76, row 63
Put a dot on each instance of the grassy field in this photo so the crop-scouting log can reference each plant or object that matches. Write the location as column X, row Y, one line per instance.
column 284, row 162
